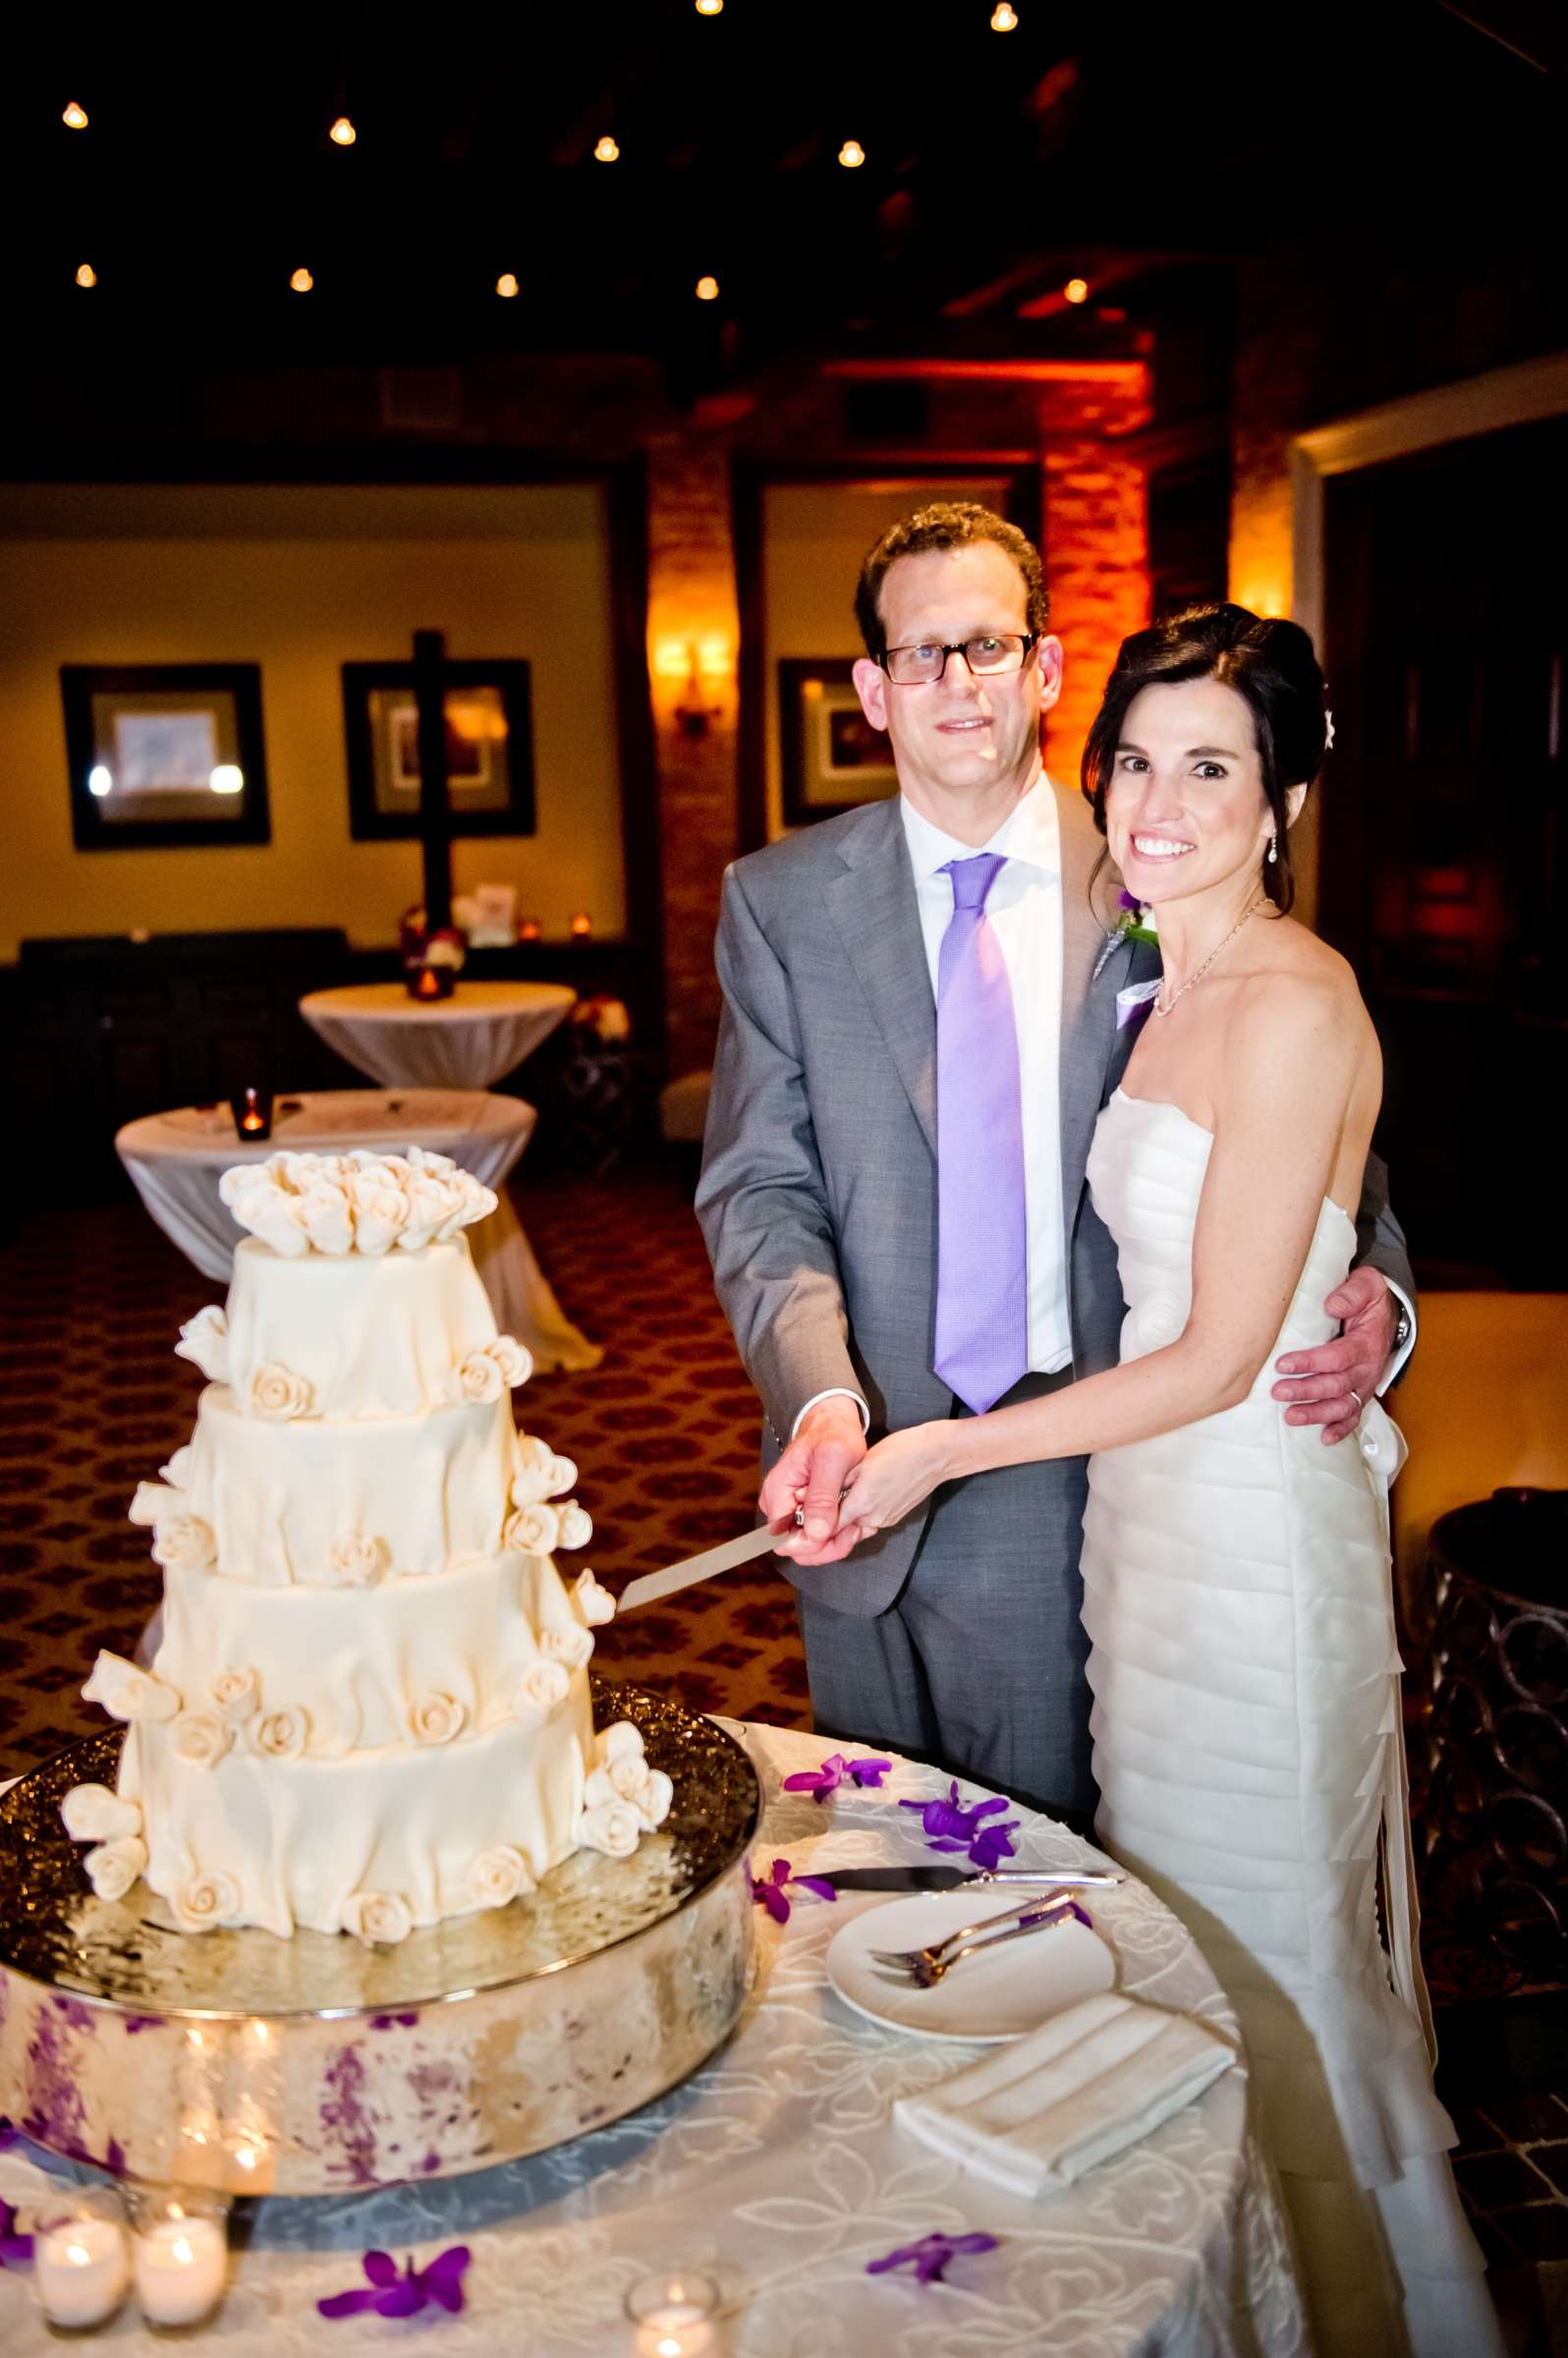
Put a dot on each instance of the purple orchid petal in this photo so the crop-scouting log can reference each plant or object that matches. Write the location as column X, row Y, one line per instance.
column 817, row 1885
column 773, row 1899
column 442, row 2280
column 1129, row 900
column 14, row 2250
column 348, row 2303
column 382, row 2269
column 869, row 1772
column 402, row 2299
column 930, row 2255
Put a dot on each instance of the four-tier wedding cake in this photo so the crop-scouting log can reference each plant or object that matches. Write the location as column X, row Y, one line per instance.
column 370, row 1707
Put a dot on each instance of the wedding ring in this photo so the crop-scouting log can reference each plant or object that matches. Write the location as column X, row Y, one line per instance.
column 1356, row 1396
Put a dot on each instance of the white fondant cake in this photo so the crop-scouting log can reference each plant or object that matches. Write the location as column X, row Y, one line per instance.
column 369, row 1706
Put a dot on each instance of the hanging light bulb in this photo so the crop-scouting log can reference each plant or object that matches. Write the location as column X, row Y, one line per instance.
column 343, row 133
column 710, row 8
column 87, row 276
column 75, row 117
column 301, row 281
column 707, row 288
column 1004, row 17
column 506, row 284
column 852, row 155
column 606, row 150
column 1077, row 290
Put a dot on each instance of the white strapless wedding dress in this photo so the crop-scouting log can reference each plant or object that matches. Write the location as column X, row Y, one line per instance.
column 1251, row 1764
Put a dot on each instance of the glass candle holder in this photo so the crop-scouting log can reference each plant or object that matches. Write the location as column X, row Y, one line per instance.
column 431, row 982
column 674, row 2314
column 180, row 2254
column 253, row 1114
column 530, row 928
column 81, row 2256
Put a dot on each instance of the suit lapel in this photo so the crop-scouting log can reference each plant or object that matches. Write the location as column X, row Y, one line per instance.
column 873, row 904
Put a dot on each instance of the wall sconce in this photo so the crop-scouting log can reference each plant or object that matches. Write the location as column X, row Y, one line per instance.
column 693, row 711
column 703, row 667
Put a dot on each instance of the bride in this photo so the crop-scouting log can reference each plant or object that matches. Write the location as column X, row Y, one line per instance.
column 1237, row 1593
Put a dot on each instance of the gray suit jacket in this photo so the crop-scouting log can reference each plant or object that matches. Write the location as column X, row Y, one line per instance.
column 819, row 1190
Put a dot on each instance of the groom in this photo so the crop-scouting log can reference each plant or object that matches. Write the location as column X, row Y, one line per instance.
column 877, row 1273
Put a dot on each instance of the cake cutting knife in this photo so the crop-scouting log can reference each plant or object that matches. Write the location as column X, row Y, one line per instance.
column 650, row 1584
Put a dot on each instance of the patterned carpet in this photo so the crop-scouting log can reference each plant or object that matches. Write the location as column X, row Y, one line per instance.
column 664, row 1432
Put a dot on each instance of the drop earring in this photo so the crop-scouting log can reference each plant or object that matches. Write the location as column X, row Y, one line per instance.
column 1274, row 849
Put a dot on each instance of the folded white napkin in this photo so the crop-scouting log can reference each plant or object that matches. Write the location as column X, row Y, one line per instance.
column 1038, row 2113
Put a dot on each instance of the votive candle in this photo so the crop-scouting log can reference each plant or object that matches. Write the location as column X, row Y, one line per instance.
column 673, row 2315
column 180, row 2257
column 81, row 2261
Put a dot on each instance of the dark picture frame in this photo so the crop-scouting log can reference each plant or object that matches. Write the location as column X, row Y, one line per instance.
column 489, row 732
column 165, row 755
column 831, row 757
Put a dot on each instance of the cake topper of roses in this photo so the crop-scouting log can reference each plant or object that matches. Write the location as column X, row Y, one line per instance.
column 360, row 1201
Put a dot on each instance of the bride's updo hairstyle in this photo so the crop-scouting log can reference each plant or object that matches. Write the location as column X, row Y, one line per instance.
column 1273, row 668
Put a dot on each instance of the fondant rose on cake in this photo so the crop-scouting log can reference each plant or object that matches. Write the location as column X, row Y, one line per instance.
column 370, row 1707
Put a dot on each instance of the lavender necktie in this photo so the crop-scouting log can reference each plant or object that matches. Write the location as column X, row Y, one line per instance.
column 982, row 1238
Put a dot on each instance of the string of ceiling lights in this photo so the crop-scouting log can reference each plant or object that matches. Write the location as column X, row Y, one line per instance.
column 606, row 150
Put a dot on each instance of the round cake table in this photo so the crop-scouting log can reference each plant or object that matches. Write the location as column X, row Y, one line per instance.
column 175, row 1161
column 777, row 2169
column 483, row 1031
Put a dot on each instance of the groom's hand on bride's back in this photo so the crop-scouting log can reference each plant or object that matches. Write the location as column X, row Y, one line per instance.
column 810, row 1474
column 1323, row 1386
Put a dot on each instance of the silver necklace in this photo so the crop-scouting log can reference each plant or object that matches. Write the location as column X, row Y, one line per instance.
column 1213, row 955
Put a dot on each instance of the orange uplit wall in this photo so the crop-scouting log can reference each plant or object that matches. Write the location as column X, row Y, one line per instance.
column 1096, row 543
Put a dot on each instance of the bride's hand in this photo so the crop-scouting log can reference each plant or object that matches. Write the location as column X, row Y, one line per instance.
column 889, row 1484
column 895, row 1477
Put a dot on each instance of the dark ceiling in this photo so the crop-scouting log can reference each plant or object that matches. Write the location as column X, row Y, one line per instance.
column 1140, row 148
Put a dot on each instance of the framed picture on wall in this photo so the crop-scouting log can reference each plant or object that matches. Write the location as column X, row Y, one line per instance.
column 831, row 758
column 490, row 748
column 164, row 755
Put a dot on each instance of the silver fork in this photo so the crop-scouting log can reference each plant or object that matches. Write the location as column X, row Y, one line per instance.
column 1035, row 1905
column 926, row 1967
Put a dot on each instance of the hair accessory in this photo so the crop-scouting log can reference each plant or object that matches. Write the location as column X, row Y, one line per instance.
column 1328, row 730
column 1274, row 848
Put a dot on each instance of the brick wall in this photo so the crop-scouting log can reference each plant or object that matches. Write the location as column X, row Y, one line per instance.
column 1096, row 537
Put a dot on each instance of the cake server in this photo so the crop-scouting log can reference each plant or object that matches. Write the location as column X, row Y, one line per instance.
column 954, row 1878
column 650, row 1584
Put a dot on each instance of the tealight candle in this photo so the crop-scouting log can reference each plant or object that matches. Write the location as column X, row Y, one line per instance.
column 81, row 2259
column 582, row 925
column 673, row 2315
column 181, row 2258
column 530, row 928
column 253, row 1113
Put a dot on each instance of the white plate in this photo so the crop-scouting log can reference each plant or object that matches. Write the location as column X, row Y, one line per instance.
column 999, row 1997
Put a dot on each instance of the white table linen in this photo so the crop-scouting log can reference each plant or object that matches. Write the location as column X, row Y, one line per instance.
column 483, row 1031
column 175, row 1161
column 779, row 2170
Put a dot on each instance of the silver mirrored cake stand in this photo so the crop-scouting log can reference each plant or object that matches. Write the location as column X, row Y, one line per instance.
column 237, row 2061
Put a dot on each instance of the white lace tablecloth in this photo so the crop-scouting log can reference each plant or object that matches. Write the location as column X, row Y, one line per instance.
column 175, row 1161
column 777, row 2169
column 467, row 1041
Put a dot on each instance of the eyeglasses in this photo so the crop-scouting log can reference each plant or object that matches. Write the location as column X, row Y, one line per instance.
column 994, row 651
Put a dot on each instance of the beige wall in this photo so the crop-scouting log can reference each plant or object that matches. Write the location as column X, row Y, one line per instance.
column 300, row 579
column 814, row 538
